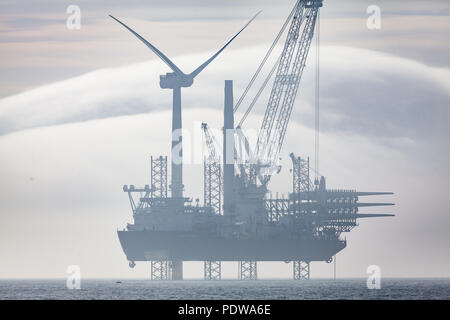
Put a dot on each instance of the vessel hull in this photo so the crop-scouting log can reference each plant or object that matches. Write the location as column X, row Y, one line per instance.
column 187, row 246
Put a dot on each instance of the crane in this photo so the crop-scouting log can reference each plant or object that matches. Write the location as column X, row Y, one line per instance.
column 285, row 87
column 212, row 173
column 262, row 161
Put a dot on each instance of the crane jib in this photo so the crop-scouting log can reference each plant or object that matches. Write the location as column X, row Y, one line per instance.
column 285, row 87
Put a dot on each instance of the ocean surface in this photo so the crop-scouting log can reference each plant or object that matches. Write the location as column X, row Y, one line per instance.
column 226, row 289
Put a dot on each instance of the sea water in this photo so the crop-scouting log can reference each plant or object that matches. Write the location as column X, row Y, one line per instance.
column 226, row 289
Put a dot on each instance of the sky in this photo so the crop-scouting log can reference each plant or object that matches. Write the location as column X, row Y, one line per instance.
column 81, row 112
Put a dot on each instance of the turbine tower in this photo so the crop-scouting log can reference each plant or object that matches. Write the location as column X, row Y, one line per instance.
column 176, row 80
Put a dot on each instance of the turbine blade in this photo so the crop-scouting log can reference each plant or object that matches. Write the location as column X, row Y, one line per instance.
column 153, row 48
column 375, row 204
column 373, row 215
column 204, row 65
column 361, row 194
column 344, row 216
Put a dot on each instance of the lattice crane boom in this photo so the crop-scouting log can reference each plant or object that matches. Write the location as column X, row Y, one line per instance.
column 213, row 173
column 285, row 88
column 280, row 82
column 292, row 88
column 210, row 144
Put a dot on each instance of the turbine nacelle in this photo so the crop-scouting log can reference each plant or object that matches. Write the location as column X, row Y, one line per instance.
column 171, row 80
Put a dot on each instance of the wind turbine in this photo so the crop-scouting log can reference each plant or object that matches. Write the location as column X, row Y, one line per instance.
column 176, row 80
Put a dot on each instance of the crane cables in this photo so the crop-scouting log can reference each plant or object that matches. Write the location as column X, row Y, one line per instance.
column 317, row 100
column 261, row 89
column 263, row 62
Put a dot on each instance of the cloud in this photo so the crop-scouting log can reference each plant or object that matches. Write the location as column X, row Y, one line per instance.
column 381, row 95
column 37, row 48
column 362, row 91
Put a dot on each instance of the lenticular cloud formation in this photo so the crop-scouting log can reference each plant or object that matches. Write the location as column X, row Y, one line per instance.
column 362, row 91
